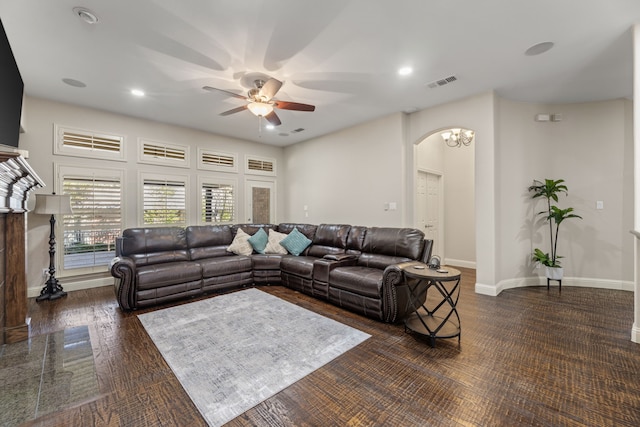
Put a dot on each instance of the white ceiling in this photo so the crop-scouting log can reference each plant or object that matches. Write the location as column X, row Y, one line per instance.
column 340, row 55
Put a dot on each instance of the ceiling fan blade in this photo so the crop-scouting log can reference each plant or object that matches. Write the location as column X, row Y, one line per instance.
column 213, row 89
column 273, row 118
column 234, row 110
column 285, row 105
column 270, row 88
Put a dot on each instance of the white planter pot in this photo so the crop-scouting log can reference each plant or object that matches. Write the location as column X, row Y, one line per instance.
column 554, row 273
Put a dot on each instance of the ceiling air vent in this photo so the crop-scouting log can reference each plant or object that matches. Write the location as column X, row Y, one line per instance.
column 297, row 130
column 442, row 82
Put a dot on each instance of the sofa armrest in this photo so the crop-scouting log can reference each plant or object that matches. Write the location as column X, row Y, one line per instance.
column 395, row 292
column 322, row 267
column 124, row 270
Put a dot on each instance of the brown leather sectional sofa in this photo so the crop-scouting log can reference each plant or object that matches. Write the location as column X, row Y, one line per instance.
column 358, row 268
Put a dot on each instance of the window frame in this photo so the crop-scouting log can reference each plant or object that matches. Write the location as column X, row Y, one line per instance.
column 250, row 157
column 63, row 171
column 166, row 178
column 218, row 168
column 60, row 149
column 164, row 161
column 216, row 180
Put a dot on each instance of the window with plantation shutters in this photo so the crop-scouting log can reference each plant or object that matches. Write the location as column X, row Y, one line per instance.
column 217, row 161
column 86, row 143
column 218, row 203
column 162, row 153
column 164, row 201
column 260, row 166
column 89, row 233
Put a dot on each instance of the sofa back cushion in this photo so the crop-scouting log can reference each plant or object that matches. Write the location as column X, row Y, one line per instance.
column 329, row 239
column 385, row 246
column 208, row 241
column 252, row 229
column 308, row 230
column 355, row 239
column 154, row 245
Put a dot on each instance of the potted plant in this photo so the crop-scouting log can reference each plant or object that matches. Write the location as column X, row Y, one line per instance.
column 549, row 190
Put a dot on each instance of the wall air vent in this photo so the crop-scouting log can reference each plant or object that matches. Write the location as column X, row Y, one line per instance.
column 441, row 82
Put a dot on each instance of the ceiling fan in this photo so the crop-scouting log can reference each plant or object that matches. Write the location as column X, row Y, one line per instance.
column 261, row 102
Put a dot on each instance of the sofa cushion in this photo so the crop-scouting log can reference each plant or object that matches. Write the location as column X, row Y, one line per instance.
column 207, row 241
column 295, row 242
column 224, row 266
column 167, row 274
column 329, row 239
column 154, row 245
column 259, row 241
column 266, row 261
column 309, row 230
column 355, row 240
column 379, row 261
column 273, row 243
column 240, row 244
column 358, row 280
column 298, row 265
column 395, row 242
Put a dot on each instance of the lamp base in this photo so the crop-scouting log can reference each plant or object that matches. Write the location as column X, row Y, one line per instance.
column 51, row 291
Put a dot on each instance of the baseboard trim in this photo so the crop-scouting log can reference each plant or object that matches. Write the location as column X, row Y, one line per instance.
column 459, row 263
column 635, row 333
column 71, row 284
column 583, row 282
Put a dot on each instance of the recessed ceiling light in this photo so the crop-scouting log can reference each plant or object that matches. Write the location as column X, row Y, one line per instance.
column 539, row 48
column 405, row 71
column 137, row 92
column 86, row 15
column 270, row 126
column 74, row 83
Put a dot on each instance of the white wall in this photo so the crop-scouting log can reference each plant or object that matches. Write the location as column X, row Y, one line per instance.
column 591, row 149
column 40, row 117
column 347, row 177
column 475, row 113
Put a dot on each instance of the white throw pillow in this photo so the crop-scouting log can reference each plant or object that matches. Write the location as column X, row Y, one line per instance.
column 240, row 244
column 273, row 245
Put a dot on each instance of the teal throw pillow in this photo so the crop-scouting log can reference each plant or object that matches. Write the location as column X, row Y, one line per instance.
column 259, row 241
column 295, row 242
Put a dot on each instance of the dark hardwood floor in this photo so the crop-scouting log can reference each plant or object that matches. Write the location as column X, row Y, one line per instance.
column 527, row 357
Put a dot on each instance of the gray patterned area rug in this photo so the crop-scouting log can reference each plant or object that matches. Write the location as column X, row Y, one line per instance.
column 233, row 351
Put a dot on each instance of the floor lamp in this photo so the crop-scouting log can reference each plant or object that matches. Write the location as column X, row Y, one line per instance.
column 52, row 204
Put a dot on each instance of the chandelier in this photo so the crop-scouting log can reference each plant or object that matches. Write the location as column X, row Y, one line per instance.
column 458, row 137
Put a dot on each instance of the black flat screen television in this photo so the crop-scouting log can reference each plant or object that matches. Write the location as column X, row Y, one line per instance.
column 11, row 88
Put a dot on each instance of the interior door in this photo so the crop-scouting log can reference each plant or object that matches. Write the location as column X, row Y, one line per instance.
column 260, row 202
column 429, row 200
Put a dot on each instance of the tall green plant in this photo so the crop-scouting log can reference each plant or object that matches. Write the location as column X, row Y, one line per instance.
column 549, row 190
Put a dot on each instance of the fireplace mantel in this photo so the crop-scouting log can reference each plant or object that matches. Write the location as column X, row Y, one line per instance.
column 17, row 179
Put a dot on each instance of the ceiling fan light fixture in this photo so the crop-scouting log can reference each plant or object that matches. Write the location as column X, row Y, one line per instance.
column 260, row 108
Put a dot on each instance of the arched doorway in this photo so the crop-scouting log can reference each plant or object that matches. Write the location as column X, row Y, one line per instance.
column 445, row 197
